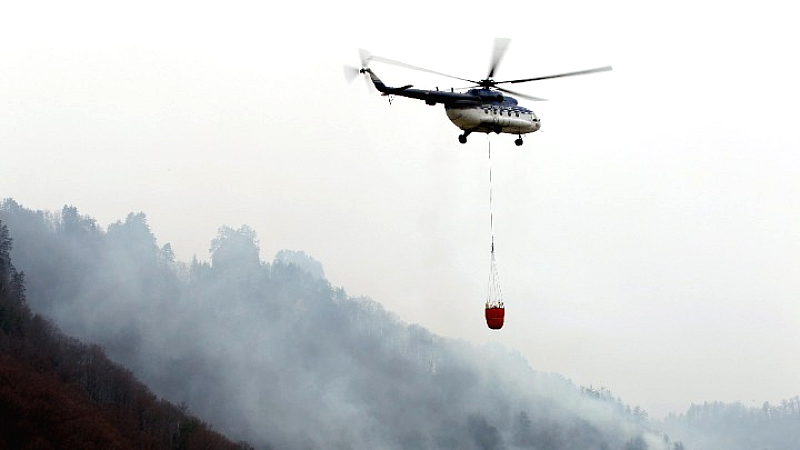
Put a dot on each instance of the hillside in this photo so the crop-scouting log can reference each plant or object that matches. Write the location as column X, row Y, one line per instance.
column 271, row 353
column 58, row 393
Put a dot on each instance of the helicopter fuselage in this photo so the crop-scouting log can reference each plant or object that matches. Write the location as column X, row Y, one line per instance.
column 494, row 118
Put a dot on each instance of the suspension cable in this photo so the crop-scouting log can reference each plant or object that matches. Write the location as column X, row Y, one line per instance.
column 495, row 298
column 491, row 217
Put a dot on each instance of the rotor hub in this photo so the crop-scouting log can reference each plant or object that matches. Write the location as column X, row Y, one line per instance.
column 488, row 83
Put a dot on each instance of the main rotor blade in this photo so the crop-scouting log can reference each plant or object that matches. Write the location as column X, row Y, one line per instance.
column 525, row 96
column 500, row 47
column 412, row 67
column 464, row 88
column 364, row 56
column 568, row 74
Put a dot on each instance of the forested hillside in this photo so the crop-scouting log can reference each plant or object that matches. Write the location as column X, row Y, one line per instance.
column 271, row 353
column 734, row 426
column 58, row 393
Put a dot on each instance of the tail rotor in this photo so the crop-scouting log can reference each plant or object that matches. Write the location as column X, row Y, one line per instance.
column 351, row 73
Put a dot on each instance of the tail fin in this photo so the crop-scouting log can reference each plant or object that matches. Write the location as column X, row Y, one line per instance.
column 375, row 80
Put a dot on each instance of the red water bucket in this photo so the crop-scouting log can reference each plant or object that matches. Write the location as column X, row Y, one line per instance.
column 494, row 317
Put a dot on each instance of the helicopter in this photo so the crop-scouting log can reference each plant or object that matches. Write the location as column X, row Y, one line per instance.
column 483, row 108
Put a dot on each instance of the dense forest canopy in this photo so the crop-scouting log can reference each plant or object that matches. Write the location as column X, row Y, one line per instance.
column 57, row 392
column 271, row 353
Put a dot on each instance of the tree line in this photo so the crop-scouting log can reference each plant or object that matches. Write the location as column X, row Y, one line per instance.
column 736, row 426
column 57, row 392
column 269, row 352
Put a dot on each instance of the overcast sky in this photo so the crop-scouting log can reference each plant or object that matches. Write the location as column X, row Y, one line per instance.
column 647, row 237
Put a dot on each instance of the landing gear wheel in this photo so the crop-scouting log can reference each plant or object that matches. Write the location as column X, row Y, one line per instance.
column 518, row 142
column 462, row 138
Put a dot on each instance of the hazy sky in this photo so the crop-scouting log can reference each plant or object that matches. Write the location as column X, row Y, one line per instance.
column 646, row 237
